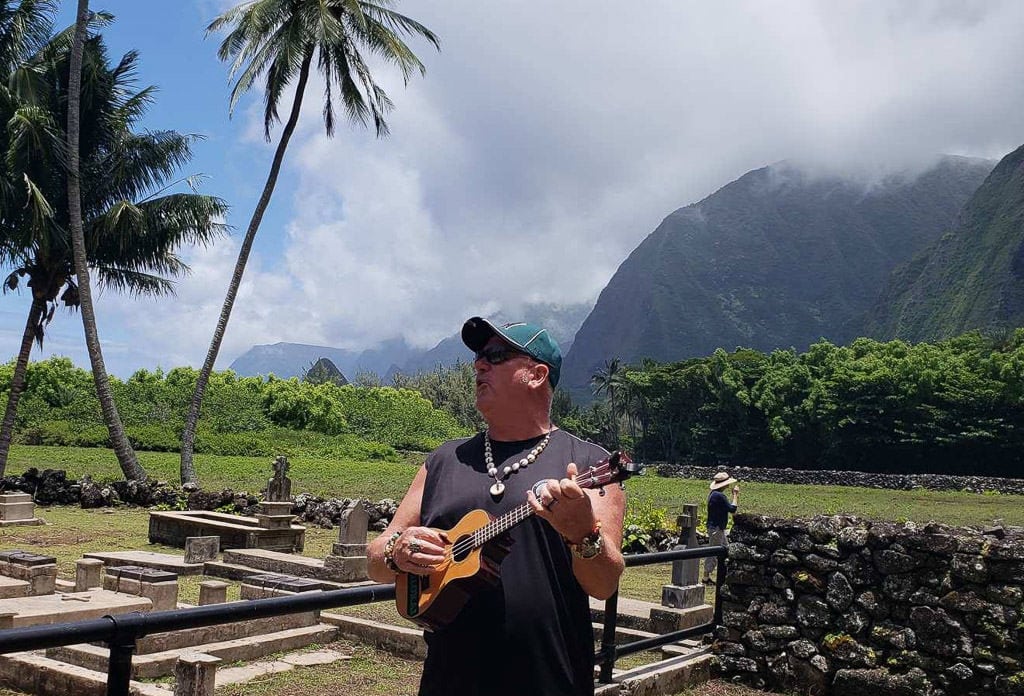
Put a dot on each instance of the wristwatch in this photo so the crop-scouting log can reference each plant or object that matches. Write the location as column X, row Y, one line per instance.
column 590, row 545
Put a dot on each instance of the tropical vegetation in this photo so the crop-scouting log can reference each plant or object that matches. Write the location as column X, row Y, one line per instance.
column 956, row 406
column 133, row 217
column 250, row 416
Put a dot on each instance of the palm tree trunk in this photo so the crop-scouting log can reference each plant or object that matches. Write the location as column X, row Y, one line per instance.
column 18, row 381
column 122, row 448
column 188, row 470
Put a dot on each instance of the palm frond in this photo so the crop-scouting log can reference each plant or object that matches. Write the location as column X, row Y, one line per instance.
column 134, row 283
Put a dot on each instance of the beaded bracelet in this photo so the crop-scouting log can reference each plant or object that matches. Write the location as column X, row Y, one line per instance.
column 590, row 545
column 389, row 552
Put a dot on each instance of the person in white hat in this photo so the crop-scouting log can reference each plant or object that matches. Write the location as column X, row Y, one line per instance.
column 719, row 508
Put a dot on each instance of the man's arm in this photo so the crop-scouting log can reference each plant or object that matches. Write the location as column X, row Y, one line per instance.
column 575, row 514
column 416, row 547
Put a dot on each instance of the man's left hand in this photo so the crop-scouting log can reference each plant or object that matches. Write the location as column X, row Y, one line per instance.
column 565, row 506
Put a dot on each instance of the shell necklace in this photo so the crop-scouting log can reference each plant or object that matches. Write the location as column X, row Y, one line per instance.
column 498, row 488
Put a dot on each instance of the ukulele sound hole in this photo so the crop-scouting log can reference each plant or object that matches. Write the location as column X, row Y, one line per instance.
column 462, row 547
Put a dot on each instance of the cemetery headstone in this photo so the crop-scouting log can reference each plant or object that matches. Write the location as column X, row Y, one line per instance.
column 279, row 488
column 17, row 509
column 685, row 591
column 201, row 549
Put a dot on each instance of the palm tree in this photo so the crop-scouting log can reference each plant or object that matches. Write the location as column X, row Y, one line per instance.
column 122, row 448
column 131, row 222
column 280, row 39
column 608, row 380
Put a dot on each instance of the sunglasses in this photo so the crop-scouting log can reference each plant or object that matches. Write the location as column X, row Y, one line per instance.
column 495, row 355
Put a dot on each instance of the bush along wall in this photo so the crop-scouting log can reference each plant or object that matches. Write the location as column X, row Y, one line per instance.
column 843, row 606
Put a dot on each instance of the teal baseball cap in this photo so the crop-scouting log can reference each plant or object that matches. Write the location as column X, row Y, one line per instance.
column 535, row 341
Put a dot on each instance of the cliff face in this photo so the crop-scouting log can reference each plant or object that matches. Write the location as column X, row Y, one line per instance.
column 971, row 278
column 775, row 259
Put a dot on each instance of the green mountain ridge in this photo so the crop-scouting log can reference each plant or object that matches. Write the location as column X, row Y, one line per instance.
column 972, row 277
column 776, row 259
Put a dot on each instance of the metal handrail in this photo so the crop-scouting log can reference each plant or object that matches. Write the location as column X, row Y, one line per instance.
column 120, row 632
column 610, row 651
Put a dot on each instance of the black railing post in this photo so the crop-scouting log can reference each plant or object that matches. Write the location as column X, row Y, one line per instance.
column 611, row 617
column 719, row 580
column 119, row 664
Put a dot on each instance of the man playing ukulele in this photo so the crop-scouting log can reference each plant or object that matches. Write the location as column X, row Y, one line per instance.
column 530, row 631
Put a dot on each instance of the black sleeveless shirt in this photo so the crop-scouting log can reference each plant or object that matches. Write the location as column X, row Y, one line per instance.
column 532, row 633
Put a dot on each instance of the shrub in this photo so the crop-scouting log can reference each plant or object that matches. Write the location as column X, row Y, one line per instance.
column 65, row 434
column 645, row 527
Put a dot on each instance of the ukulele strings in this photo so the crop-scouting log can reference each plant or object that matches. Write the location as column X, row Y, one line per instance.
column 510, row 519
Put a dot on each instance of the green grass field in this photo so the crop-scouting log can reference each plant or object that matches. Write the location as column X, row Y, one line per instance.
column 71, row 531
column 377, row 480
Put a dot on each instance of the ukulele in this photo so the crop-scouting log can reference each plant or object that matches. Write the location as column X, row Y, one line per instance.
column 473, row 558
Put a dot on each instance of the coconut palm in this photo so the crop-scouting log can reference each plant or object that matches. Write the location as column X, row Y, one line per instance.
column 278, row 40
column 132, row 220
column 609, row 381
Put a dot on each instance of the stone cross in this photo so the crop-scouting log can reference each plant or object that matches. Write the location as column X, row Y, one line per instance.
column 686, row 572
column 685, row 590
column 279, row 488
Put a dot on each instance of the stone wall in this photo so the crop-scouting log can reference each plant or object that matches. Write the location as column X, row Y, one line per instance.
column 898, row 482
column 840, row 605
column 53, row 487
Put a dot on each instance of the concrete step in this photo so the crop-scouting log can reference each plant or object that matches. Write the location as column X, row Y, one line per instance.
column 37, row 674
column 250, row 628
column 237, row 572
column 655, row 618
column 403, row 641
column 337, row 570
column 669, row 676
column 160, row 664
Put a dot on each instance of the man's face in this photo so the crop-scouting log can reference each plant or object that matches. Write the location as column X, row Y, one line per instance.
column 499, row 377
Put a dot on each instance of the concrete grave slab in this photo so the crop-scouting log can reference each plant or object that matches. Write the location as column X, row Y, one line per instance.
column 317, row 657
column 38, row 570
column 71, row 606
column 172, row 527
column 148, row 559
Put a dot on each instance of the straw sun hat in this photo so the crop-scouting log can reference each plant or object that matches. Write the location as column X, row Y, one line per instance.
column 721, row 480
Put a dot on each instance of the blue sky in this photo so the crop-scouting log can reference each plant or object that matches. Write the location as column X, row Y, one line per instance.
column 534, row 156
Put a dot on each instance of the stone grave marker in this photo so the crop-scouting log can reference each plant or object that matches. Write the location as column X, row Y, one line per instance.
column 347, row 561
column 39, row 571
column 279, row 488
column 685, row 591
column 200, row 549
column 263, row 585
column 159, row 586
column 17, row 509
column 352, row 530
column 88, row 574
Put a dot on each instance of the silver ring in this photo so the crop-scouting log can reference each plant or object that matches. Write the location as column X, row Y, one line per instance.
column 414, row 547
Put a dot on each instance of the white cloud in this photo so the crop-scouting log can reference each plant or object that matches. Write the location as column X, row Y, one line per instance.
column 538, row 151
column 543, row 145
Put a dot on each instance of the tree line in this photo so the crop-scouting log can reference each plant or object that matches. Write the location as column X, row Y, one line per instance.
column 955, row 407
column 246, row 416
